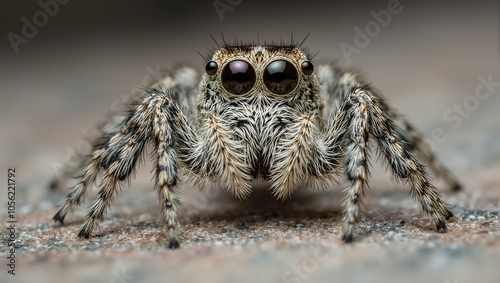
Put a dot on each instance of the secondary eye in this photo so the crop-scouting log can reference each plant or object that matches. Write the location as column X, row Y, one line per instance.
column 211, row 68
column 307, row 68
column 280, row 77
column 238, row 77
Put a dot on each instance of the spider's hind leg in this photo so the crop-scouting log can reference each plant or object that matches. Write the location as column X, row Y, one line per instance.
column 416, row 143
column 117, row 157
column 74, row 198
column 90, row 165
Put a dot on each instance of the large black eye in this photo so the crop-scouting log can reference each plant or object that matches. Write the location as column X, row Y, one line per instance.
column 280, row 77
column 238, row 77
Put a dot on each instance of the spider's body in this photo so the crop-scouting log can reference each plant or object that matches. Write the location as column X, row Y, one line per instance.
column 259, row 112
column 259, row 133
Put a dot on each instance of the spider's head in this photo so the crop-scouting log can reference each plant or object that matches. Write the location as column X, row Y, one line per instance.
column 268, row 74
column 250, row 97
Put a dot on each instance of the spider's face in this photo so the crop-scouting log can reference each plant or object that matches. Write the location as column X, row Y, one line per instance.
column 250, row 97
column 259, row 76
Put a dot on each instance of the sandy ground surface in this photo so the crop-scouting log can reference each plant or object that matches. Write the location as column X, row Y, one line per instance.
column 67, row 79
column 264, row 240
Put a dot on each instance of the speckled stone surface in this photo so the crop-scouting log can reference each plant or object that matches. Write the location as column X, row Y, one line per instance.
column 430, row 58
column 261, row 239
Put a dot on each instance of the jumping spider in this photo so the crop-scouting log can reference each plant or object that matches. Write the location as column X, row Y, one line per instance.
column 258, row 112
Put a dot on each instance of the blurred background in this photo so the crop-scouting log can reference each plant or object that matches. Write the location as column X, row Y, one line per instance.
column 65, row 65
column 65, row 78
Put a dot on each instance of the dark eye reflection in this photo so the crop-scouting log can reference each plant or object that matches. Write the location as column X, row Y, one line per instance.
column 238, row 77
column 280, row 77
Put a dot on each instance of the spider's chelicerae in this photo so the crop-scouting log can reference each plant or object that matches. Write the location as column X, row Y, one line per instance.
column 259, row 112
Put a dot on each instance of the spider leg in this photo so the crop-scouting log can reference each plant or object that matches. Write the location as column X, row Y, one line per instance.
column 368, row 115
column 118, row 156
column 157, row 118
column 167, row 167
column 402, row 160
column 183, row 80
column 74, row 198
column 337, row 85
column 90, row 165
column 416, row 143
column 356, row 164
column 350, row 132
column 103, row 134
column 56, row 181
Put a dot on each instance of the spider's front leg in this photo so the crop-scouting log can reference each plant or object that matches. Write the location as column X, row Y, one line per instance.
column 338, row 85
column 170, row 129
column 158, row 119
column 356, row 164
column 367, row 116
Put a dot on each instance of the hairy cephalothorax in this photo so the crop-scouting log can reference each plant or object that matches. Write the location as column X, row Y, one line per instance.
column 258, row 112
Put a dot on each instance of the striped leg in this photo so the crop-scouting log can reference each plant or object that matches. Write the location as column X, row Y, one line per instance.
column 166, row 173
column 118, row 157
column 396, row 138
column 403, row 161
column 76, row 196
column 356, row 163
column 105, row 148
column 416, row 143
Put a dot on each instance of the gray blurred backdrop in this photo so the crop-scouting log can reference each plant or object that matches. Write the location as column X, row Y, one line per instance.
column 65, row 78
column 62, row 79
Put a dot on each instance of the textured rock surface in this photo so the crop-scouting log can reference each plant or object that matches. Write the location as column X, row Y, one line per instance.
column 91, row 56
column 261, row 239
